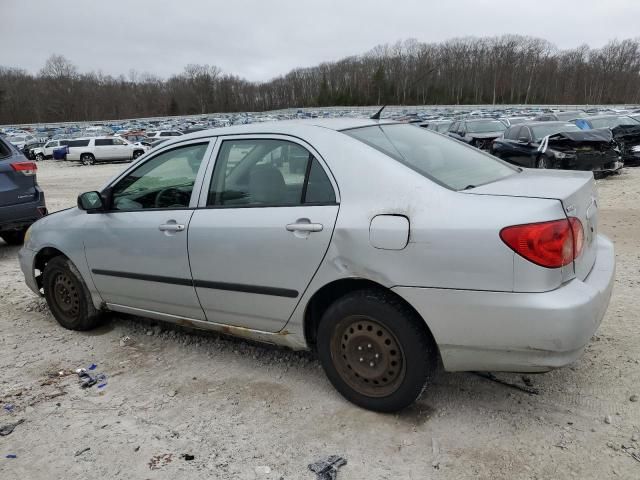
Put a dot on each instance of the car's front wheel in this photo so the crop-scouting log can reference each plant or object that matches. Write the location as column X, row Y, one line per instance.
column 137, row 154
column 13, row 237
column 68, row 297
column 87, row 159
column 375, row 350
column 39, row 157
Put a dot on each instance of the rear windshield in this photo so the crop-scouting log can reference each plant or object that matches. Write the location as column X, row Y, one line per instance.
column 447, row 162
column 486, row 127
column 5, row 150
column 613, row 122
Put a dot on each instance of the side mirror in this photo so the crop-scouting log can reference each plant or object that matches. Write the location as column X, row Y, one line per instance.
column 524, row 140
column 91, row 202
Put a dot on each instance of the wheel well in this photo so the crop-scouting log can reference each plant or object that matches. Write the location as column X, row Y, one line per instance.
column 323, row 298
column 87, row 153
column 42, row 258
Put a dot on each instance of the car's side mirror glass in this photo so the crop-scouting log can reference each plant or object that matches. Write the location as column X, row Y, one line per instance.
column 90, row 201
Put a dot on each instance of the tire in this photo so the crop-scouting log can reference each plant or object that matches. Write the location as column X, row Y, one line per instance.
column 137, row 154
column 376, row 351
column 39, row 157
column 68, row 297
column 87, row 159
column 14, row 237
column 541, row 162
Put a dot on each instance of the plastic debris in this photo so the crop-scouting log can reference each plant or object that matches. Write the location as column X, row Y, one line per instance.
column 93, row 366
column 327, row 469
column 188, row 457
column 11, row 455
column 80, row 452
column 493, row 378
column 87, row 380
column 8, row 407
column 8, row 428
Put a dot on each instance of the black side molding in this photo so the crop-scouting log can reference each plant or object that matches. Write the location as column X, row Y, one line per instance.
column 232, row 287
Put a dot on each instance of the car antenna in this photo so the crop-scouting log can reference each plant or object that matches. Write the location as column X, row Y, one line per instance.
column 376, row 116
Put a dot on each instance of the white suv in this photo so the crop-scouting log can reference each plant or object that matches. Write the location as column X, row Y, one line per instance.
column 96, row 149
column 46, row 151
column 162, row 134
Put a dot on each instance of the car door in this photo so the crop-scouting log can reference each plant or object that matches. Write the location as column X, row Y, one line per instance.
column 49, row 147
column 121, row 150
column 137, row 249
column 104, row 149
column 263, row 228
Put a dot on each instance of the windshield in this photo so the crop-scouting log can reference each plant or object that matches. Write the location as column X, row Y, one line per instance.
column 613, row 122
column 17, row 139
column 445, row 161
column 486, row 126
column 543, row 130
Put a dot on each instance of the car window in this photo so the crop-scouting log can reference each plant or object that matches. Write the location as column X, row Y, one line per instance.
column 443, row 160
column 78, row 143
column 263, row 172
column 119, row 141
column 103, row 142
column 454, row 127
column 512, row 133
column 164, row 181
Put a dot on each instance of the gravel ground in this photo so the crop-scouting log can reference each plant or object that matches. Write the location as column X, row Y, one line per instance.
column 251, row 411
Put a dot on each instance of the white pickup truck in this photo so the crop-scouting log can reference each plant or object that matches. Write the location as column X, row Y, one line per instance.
column 96, row 149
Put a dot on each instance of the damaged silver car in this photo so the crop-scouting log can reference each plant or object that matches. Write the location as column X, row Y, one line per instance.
column 383, row 246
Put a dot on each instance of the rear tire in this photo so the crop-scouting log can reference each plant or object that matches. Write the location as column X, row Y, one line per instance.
column 87, row 159
column 375, row 350
column 68, row 297
column 14, row 237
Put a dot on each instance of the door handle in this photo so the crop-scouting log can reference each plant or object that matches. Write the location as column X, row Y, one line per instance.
column 171, row 227
column 304, row 227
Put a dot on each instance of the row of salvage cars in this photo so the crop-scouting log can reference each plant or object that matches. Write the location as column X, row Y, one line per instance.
column 602, row 144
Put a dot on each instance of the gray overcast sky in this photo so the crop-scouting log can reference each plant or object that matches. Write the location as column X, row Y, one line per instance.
column 260, row 39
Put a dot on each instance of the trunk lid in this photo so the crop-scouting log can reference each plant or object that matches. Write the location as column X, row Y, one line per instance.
column 15, row 187
column 575, row 190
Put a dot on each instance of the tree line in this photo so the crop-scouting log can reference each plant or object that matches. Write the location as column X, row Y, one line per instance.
column 509, row 69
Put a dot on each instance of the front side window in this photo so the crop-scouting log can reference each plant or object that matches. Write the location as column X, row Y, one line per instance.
column 486, row 126
column 119, row 141
column 103, row 142
column 263, row 172
column 445, row 161
column 164, row 181
column 78, row 143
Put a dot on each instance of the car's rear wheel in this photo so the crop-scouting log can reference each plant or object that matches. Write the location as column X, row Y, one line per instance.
column 13, row 237
column 375, row 350
column 68, row 297
column 39, row 157
column 137, row 153
column 87, row 159
column 541, row 162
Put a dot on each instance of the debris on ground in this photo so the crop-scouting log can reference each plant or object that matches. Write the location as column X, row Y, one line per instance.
column 8, row 407
column 187, row 456
column 608, row 420
column 11, row 455
column 327, row 469
column 80, row 452
column 126, row 341
column 8, row 428
column 93, row 366
column 262, row 470
column 87, row 380
column 159, row 461
column 633, row 398
column 493, row 378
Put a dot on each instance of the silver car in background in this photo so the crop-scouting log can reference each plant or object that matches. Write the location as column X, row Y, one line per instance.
column 383, row 246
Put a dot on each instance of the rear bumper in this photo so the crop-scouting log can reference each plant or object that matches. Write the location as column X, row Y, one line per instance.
column 13, row 217
column 517, row 332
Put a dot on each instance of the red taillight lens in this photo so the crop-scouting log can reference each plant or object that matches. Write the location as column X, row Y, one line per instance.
column 26, row 168
column 548, row 244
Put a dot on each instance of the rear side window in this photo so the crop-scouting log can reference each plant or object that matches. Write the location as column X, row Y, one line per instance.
column 445, row 161
column 78, row 143
column 5, row 151
column 513, row 133
column 103, row 142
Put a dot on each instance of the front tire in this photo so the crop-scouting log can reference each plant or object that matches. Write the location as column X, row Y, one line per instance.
column 375, row 350
column 39, row 157
column 87, row 159
column 14, row 237
column 541, row 162
column 68, row 297
column 137, row 154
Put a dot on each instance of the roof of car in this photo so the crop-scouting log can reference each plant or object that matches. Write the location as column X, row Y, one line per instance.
column 606, row 115
column 534, row 123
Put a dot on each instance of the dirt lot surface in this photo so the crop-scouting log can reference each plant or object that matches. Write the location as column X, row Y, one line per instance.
column 248, row 411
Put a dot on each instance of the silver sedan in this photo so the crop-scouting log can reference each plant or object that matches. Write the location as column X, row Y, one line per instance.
column 385, row 247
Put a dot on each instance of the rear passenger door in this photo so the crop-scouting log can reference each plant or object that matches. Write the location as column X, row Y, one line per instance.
column 262, row 229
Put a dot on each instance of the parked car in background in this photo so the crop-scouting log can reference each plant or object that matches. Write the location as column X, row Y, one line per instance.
column 22, row 141
column 560, row 116
column 558, row 145
column 440, row 126
column 21, row 199
column 99, row 149
column 477, row 133
column 625, row 130
column 444, row 255
column 46, row 150
column 163, row 133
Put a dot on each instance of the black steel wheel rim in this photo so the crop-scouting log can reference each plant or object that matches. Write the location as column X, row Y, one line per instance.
column 66, row 295
column 367, row 356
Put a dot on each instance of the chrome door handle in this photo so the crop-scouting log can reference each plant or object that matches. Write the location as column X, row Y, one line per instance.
column 304, row 227
column 171, row 227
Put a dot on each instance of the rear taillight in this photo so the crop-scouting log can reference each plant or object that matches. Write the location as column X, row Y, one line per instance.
column 548, row 244
column 26, row 168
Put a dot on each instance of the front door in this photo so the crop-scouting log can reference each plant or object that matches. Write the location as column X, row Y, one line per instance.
column 269, row 217
column 137, row 250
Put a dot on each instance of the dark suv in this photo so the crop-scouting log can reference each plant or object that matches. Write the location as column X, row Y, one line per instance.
column 21, row 199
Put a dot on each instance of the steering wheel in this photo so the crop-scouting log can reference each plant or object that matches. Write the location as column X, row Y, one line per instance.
column 167, row 198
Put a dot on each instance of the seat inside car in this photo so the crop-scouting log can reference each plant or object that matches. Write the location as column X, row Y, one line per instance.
column 266, row 185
